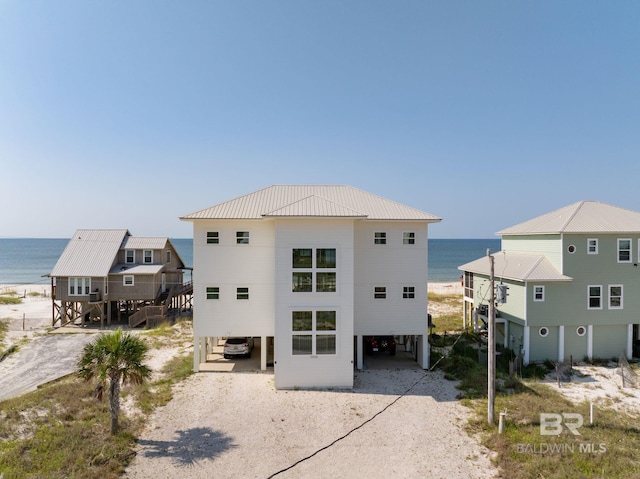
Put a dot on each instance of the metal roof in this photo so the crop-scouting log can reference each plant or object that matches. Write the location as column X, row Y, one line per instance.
column 517, row 267
column 136, row 242
column 136, row 269
column 582, row 217
column 311, row 201
column 90, row 253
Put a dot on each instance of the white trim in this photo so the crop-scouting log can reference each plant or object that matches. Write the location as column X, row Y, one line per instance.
column 535, row 299
column 590, row 341
column 126, row 256
column 144, row 256
column 630, row 250
column 571, row 249
column 545, row 333
column 124, row 280
column 596, row 245
column 609, row 296
column 629, row 341
column 589, row 296
column 561, row 343
column 584, row 331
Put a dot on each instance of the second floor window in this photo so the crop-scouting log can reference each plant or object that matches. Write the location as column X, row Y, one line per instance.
column 408, row 238
column 148, row 256
column 313, row 272
column 213, row 237
column 79, row 286
column 408, row 292
column 594, row 297
column 538, row 293
column 242, row 237
column 624, row 251
column 213, row 292
column 130, row 256
column 242, row 293
column 380, row 292
column 380, row 237
column 592, row 246
column 615, row 296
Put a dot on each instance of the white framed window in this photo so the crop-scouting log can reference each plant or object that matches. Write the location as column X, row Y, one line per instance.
column 79, row 286
column 313, row 332
column 213, row 237
column 313, row 272
column 379, row 237
column 581, row 330
column 594, row 297
column 408, row 292
column 130, row 256
column 213, row 292
column 148, row 256
column 408, row 237
column 242, row 237
column 592, row 246
column 128, row 280
column 624, row 250
column 543, row 331
column 380, row 292
column 538, row 293
column 615, row 296
column 242, row 293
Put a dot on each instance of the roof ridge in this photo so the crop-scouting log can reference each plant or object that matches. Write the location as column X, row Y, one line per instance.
column 576, row 210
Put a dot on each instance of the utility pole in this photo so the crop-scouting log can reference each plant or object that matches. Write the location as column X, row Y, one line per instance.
column 491, row 353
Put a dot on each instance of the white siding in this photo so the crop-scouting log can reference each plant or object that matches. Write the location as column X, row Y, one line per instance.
column 393, row 265
column 320, row 370
column 228, row 265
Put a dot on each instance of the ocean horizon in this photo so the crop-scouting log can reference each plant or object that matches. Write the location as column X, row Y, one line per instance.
column 30, row 260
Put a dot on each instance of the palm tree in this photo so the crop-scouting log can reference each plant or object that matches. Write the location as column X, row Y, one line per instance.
column 116, row 358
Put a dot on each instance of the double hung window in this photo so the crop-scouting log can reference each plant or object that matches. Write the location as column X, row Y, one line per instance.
column 213, row 237
column 624, row 250
column 79, row 286
column 130, row 256
column 148, row 256
column 213, row 292
column 594, row 297
column 615, row 296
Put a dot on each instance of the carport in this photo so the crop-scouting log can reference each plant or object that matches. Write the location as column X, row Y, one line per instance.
column 213, row 360
column 406, row 357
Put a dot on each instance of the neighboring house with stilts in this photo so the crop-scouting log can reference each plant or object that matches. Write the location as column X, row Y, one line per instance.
column 573, row 285
column 309, row 271
column 108, row 274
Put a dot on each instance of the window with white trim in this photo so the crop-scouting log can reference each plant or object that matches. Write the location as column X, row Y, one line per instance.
column 408, row 292
column 624, row 250
column 128, row 280
column 79, row 286
column 408, row 237
column 543, row 332
column 594, row 297
column 592, row 246
column 313, row 272
column 581, row 330
column 615, row 296
column 213, row 292
column 379, row 237
column 313, row 332
column 380, row 292
column 242, row 237
column 213, row 237
column 538, row 293
column 130, row 256
column 242, row 293
column 148, row 256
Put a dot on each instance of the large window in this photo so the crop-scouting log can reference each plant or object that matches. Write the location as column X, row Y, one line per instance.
column 313, row 332
column 313, row 272
column 624, row 250
column 79, row 286
column 594, row 297
column 615, row 296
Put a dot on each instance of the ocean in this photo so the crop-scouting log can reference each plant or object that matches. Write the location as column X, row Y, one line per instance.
column 29, row 260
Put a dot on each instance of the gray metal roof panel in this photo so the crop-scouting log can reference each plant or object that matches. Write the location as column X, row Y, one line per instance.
column 517, row 267
column 138, row 242
column 288, row 198
column 136, row 269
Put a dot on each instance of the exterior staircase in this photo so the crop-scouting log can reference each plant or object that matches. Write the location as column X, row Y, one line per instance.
column 158, row 313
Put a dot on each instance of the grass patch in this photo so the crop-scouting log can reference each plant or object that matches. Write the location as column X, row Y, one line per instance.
column 61, row 431
column 447, row 321
column 6, row 299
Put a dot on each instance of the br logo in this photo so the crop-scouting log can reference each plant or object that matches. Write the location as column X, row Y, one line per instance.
column 551, row 423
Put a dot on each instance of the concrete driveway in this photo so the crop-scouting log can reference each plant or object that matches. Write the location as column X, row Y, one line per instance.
column 43, row 359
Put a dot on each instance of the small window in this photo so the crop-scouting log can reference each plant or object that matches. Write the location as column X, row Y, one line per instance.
column 624, row 251
column 581, row 330
column 127, row 280
column 594, row 297
column 242, row 293
column 380, row 238
column 408, row 292
column 213, row 292
column 409, row 238
column 538, row 293
column 380, row 292
column 130, row 256
column 543, row 332
column 615, row 296
column 212, row 237
column 592, row 246
column 168, row 256
column 571, row 249
column 242, row 237
column 148, row 256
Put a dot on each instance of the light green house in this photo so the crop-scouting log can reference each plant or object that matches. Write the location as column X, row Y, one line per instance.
column 573, row 285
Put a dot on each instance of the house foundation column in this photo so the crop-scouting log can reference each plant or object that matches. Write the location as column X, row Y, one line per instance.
column 359, row 352
column 525, row 344
column 629, row 341
column 263, row 353
column 590, row 341
column 560, row 343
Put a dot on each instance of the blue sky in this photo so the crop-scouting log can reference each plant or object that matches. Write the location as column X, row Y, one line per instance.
column 486, row 113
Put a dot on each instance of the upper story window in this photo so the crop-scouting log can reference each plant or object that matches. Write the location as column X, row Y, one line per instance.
column 79, row 286
column 592, row 246
column 213, row 237
column 409, row 237
column 242, row 237
column 615, row 296
column 380, row 292
column 128, row 280
column 408, row 292
column 380, row 237
column 468, row 284
column 538, row 293
column 594, row 293
column 168, row 256
column 130, row 256
column 624, row 250
column 314, row 270
column 242, row 293
column 213, row 292
column 148, row 256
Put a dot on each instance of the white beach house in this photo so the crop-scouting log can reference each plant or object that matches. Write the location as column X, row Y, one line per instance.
column 309, row 271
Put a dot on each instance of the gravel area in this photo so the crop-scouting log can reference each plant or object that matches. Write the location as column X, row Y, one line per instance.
column 238, row 425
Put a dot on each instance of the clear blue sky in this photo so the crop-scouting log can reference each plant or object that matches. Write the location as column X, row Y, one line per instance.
column 486, row 113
